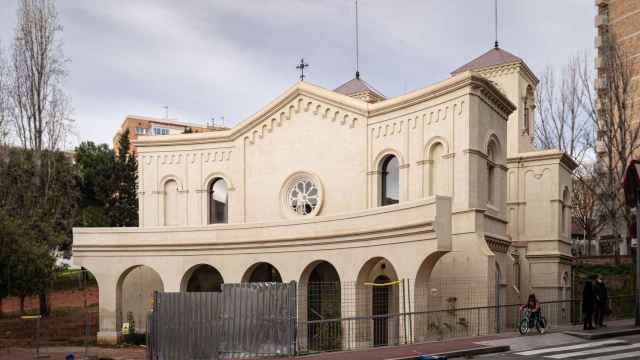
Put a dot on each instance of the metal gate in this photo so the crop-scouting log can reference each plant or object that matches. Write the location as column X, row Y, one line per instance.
column 244, row 320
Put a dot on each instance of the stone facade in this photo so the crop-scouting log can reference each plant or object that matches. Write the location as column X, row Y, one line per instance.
column 440, row 185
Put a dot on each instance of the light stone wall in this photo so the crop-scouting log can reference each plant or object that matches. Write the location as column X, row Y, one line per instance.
column 445, row 230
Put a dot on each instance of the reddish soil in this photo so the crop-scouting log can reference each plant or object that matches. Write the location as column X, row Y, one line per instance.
column 70, row 323
column 61, row 299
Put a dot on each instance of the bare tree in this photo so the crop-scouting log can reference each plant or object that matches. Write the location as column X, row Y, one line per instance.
column 610, row 107
column 4, row 98
column 587, row 214
column 562, row 123
column 39, row 107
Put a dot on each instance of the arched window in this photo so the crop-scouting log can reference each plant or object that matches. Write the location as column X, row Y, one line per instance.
column 436, row 175
column 491, row 158
column 528, row 109
column 171, row 203
column 516, row 274
column 390, row 181
column 218, row 198
column 563, row 213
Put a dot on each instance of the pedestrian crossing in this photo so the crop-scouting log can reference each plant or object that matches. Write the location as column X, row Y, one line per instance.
column 600, row 350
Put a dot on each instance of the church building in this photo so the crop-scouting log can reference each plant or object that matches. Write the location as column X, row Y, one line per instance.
column 440, row 189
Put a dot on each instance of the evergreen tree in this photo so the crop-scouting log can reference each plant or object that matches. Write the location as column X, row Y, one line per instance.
column 123, row 207
column 95, row 166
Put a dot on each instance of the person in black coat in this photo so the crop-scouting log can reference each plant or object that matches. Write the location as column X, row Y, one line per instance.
column 588, row 298
column 602, row 301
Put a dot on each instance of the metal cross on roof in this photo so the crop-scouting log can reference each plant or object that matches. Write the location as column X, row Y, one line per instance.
column 301, row 67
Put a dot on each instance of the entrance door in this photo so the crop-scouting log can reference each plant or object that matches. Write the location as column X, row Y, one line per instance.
column 380, row 311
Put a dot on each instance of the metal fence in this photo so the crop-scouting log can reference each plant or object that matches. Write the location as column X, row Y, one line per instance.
column 358, row 332
column 244, row 320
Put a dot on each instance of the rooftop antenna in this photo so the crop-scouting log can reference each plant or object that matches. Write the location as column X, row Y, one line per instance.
column 222, row 119
column 213, row 122
column 166, row 111
column 301, row 67
column 357, row 45
column 495, row 15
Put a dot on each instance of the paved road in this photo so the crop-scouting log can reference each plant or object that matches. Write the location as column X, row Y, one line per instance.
column 560, row 346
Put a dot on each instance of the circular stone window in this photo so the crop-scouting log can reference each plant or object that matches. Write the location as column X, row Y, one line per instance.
column 302, row 195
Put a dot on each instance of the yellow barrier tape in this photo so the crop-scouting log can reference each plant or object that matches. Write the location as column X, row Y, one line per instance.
column 385, row 284
column 27, row 317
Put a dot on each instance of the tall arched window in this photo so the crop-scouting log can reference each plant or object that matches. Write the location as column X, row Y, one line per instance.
column 218, row 199
column 436, row 175
column 390, row 181
column 528, row 109
column 171, row 203
column 563, row 213
column 491, row 158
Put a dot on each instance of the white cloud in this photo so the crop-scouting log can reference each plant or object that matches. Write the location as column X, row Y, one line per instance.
column 210, row 58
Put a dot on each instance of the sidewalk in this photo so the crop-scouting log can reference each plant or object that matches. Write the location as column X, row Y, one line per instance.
column 512, row 339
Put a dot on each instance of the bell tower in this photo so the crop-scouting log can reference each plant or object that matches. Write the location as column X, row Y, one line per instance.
column 513, row 77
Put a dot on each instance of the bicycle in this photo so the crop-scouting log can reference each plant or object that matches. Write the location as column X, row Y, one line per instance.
column 528, row 322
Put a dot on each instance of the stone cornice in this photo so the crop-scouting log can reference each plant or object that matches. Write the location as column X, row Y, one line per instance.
column 423, row 220
column 497, row 243
column 555, row 155
column 345, row 105
column 507, row 69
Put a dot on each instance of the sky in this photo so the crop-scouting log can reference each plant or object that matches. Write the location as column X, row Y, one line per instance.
column 215, row 58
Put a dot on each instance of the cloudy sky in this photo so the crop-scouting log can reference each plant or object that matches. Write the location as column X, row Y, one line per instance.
column 213, row 58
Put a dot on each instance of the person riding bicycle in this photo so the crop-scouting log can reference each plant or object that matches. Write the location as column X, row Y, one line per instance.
column 534, row 308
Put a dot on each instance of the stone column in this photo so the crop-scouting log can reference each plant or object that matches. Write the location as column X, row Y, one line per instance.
column 109, row 332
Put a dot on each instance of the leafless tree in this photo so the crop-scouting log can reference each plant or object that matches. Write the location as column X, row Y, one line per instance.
column 4, row 98
column 39, row 106
column 562, row 123
column 587, row 214
column 610, row 107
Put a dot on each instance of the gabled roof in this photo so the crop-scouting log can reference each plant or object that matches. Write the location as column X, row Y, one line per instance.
column 361, row 89
column 493, row 57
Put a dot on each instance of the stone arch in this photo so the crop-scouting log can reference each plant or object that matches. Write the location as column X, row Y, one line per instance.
column 320, row 299
column 378, row 297
column 494, row 157
column 262, row 272
column 423, row 294
column 388, row 180
column 494, row 144
column 201, row 277
column 170, row 186
column 383, row 154
column 134, row 295
column 215, row 175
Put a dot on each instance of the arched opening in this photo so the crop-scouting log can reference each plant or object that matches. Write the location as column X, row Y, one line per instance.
column 320, row 287
column 437, row 175
column 528, row 109
column 389, row 181
column 563, row 213
column 378, row 299
column 171, row 203
column 426, row 297
column 218, row 201
column 202, row 278
column 262, row 272
column 500, row 299
column 134, row 294
column 491, row 164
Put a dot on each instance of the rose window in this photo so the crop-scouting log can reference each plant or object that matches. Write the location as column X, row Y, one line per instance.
column 303, row 196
